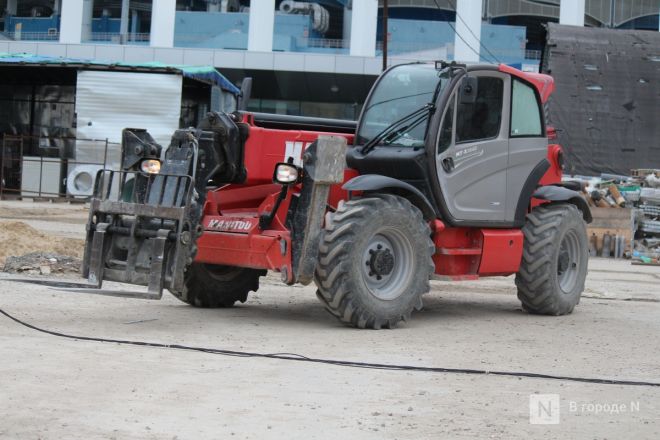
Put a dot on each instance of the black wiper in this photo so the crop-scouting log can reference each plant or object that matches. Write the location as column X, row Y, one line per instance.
column 403, row 130
column 396, row 127
column 376, row 104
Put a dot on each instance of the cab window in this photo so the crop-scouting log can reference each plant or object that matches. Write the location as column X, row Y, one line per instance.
column 525, row 113
column 482, row 118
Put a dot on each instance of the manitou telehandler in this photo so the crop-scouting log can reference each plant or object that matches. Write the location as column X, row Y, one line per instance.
column 449, row 173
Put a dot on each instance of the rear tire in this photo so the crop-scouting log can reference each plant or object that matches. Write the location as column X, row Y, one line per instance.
column 555, row 258
column 374, row 261
column 213, row 286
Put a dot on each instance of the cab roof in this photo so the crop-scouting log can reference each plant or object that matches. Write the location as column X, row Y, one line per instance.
column 545, row 84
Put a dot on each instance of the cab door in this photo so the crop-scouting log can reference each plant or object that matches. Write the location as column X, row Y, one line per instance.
column 528, row 145
column 472, row 152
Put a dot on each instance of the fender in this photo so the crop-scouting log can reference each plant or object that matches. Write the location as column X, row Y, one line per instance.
column 554, row 193
column 376, row 182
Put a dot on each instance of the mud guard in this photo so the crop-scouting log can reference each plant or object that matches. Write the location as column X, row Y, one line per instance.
column 553, row 193
column 376, row 182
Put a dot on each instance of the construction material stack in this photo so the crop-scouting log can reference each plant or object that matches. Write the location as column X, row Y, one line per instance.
column 646, row 220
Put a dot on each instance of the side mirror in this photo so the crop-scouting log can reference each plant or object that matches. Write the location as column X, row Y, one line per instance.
column 468, row 91
column 246, row 91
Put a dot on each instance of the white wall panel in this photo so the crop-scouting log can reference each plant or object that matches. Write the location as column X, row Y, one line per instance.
column 108, row 102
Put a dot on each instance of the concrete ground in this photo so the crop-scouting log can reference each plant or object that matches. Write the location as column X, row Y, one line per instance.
column 52, row 388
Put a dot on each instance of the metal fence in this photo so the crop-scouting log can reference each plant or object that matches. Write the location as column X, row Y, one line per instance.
column 531, row 54
column 52, row 35
column 95, row 37
column 117, row 38
column 323, row 43
column 44, row 173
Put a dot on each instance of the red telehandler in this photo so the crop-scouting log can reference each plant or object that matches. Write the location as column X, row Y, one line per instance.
column 449, row 173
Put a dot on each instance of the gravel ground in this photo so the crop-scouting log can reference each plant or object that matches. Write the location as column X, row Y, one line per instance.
column 53, row 388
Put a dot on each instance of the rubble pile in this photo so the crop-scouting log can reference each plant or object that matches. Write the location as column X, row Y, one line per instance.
column 641, row 192
column 614, row 191
column 42, row 263
column 646, row 247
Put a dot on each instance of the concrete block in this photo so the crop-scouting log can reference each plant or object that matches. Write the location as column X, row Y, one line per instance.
column 20, row 47
column 349, row 64
column 196, row 57
column 51, row 49
column 289, row 61
column 319, row 63
column 82, row 51
column 229, row 59
column 259, row 60
column 134, row 54
column 169, row 56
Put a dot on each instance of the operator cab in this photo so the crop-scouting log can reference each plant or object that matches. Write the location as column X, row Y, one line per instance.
column 471, row 139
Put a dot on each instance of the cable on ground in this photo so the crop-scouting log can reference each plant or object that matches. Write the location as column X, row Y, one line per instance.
column 340, row 363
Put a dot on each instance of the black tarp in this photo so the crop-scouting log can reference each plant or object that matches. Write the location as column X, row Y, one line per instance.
column 606, row 105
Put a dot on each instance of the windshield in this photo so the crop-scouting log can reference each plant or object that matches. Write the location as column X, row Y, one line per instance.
column 400, row 92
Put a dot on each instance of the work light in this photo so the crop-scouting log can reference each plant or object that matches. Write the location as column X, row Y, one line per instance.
column 286, row 174
column 150, row 166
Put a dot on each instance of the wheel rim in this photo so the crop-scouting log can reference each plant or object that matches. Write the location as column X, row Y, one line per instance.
column 387, row 264
column 568, row 262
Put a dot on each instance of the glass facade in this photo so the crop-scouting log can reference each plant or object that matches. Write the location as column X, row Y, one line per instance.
column 431, row 40
column 318, row 27
column 322, row 27
column 111, row 24
column 30, row 21
column 212, row 25
column 335, row 110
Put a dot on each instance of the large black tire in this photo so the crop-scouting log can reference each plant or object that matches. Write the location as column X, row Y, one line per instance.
column 555, row 258
column 210, row 286
column 374, row 261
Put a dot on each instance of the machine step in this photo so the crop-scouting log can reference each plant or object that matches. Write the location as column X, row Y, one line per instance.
column 455, row 277
column 458, row 251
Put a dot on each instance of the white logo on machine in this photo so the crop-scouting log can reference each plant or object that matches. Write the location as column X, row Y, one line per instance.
column 229, row 225
column 294, row 149
column 468, row 153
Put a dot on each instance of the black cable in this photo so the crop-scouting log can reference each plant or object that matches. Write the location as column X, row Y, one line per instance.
column 354, row 364
column 461, row 37
column 451, row 3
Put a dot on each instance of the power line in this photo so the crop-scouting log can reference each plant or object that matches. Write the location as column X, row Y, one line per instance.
column 463, row 39
column 339, row 363
column 451, row 3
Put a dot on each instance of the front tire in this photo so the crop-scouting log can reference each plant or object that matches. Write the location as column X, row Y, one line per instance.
column 374, row 261
column 555, row 258
column 213, row 286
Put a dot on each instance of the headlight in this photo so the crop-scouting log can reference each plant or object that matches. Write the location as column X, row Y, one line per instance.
column 286, row 174
column 150, row 166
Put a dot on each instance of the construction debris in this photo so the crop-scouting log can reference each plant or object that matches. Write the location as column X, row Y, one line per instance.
column 42, row 263
column 641, row 193
column 646, row 223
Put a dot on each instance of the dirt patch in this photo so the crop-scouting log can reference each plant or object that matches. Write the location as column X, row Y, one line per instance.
column 17, row 239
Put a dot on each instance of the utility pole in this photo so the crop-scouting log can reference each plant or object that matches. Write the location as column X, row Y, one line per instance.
column 385, row 33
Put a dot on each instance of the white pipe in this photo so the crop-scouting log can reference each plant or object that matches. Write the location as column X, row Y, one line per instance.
column 320, row 15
